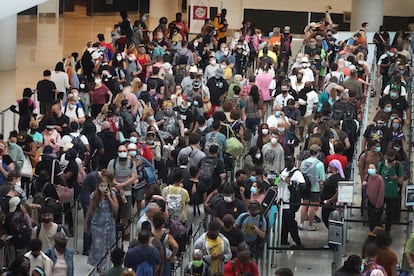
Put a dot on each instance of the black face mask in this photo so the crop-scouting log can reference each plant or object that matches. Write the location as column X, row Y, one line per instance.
column 289, row 166
column 60, row 244
column 46, row 220
column 228, row 223
column 212, row 236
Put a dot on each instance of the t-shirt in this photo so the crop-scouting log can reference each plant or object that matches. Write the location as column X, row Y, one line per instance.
column 391, row 186
column 315, row 170
column 123, row 170
column 68, row 139
column 140, row 254
column 235, row 208
column 98, row 95
column 194, row 155
column 330, row 186
column 197, row 197
column 247, row 222
column 217, row 88
column 283, row 189
column 409, row 248
column 214, row 248
column 239, row 269
column 60, row 267
column 235, row 237
column 185, row 198
column 46, row 235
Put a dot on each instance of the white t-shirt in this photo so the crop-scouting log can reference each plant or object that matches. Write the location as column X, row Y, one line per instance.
column 272, row 121
column 312, row 99
column 336, row 74
column 308, row 75
column 282, row 101
column 46, row 235
column 283, row 190
column 68, row 139
column 388, row 87
column 72, row 114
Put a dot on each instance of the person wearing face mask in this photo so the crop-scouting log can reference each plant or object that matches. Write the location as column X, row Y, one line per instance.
column 38, row 258
column 289, row 177
column 169, row 120
column 103, row 207
column 215, row 247
column 99, row 96
column 133, row 67
column 229, row 205
column 125, row 175
column 307, row 72
column 253, row 226
column 15, row 151
column 273, row 156
column 392, row 173
column 197, row 266
column 211, row 68
column 399, row 104
column 375, row 189
column 73, row 109
column 185, row 111
column 61, row 256
column 232, row 233
column 50, row 136
column 378, row 132
column 47, row 228
column 253, row 158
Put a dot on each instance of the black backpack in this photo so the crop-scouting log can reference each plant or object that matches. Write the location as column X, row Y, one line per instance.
column 21, row 229
column 207, row 168
column 78, row 145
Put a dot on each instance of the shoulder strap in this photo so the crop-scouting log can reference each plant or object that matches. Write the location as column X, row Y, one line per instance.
column 243, row 218
column 114, row 165
column 39, row 227
column 293, row 172
column 59, row 228
column 64, row 109
column 52, row 176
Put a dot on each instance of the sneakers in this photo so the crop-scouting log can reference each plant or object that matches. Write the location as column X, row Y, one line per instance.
column 313, row 228
column 301, row 226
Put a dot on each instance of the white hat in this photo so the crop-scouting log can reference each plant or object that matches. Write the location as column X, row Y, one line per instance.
column 193, row 69
column 167, row 66
column 13, row 202
column 352, row 67
column 132, row 146
column 305, row 60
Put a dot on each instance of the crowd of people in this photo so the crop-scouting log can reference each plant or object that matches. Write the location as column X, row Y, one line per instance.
column 183, row 138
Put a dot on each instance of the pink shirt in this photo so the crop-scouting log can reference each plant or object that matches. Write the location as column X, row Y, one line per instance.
column 263, row 81
column 375, row 190
column 258, row 197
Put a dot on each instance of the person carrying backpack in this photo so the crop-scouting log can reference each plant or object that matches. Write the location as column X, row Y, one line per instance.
column 289, row 192
column 19, row 225
column 144, row 259
column 79, row 141
column 253, row 226
column 242, row 264
column 176, row 197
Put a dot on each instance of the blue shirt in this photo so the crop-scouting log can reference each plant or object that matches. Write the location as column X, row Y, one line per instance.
column 247, row 222
column 140, row 254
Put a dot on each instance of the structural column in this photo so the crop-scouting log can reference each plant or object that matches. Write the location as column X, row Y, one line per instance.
column 8, row 26
column 371, row 11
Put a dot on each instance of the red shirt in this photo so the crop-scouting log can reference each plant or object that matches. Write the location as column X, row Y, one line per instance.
column 341, row 158
column 229, row 271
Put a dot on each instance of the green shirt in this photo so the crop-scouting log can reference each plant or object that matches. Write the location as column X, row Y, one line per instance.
column 409, row 248
column 391, row 186
column 115, row 271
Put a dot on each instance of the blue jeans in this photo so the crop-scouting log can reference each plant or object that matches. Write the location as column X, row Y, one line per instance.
column 252, row 124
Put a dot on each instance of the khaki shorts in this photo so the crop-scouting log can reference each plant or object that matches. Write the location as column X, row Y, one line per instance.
column 305, row 121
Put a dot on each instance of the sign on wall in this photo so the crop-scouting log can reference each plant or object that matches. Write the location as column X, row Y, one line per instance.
column 200, row 12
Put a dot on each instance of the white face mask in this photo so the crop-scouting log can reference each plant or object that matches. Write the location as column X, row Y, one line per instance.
column 195, row 43
column 273, row 141
column 118, row 58
column 98, row 81
column 265, row 131
column 131, row 58
column 258, row 155
column 226, row 52
column 71, row 106
column 228, row 199
column 82, row 86
column 213, row 62
column 103, row 189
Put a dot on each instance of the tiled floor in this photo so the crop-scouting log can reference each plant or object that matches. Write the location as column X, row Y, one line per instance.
column 42, row 42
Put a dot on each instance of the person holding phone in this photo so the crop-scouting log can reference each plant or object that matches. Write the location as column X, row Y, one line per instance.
column 102, row 210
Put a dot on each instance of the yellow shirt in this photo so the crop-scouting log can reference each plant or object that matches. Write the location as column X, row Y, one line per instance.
column 214, row 247
column 185, row 198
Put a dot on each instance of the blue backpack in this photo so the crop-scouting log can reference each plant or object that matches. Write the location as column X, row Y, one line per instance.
column 150, row 173
column 144, row 269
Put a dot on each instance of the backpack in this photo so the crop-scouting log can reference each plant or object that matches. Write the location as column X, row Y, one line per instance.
column 180, row 74
column 174, row 203
column 39, row 195
column 211, row 140
column 215, row 200
column 233, row 145
column 21, row 229
column 150, row 174
column 341, row 110
column 177, row 229
column 296, row 191
column 349, row 126
column 144, row 269
column 76, row 110
column 78, row 145
column 207, row 167
column 107, row 55
column 256, row 247
column 182, row 59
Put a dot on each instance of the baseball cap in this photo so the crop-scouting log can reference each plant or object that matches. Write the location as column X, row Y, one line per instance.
column 315, row 148
column 243, row 249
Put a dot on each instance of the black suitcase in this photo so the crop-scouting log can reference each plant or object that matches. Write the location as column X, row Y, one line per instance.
column 269, row 200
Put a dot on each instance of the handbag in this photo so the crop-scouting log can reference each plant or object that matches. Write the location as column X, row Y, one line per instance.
column 207, row 106
column 233, row 145
column 27, row 170
column 65, row 193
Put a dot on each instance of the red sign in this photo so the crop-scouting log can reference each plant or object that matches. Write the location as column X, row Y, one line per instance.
column 199, row 12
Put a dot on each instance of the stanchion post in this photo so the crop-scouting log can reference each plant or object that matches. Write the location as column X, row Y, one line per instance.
column 409, row 221
column 345, row 236
column 279, row 224
column 75, row 234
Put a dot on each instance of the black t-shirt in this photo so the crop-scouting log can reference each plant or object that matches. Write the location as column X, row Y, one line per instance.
column 217, row 88
column 235, row 208
column 235, row 237
column 62, row 121
column 399, row 105
column 246, row 186
column 160, row 83
column 46, row 164
column 197, row 197
column 186, row 116
column 6, row 159
column 45, row 91
column 330, row 186
column 218, row 169
column 381, row 134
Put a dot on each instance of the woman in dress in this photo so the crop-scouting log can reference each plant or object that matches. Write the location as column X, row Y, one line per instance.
column 103, row 207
